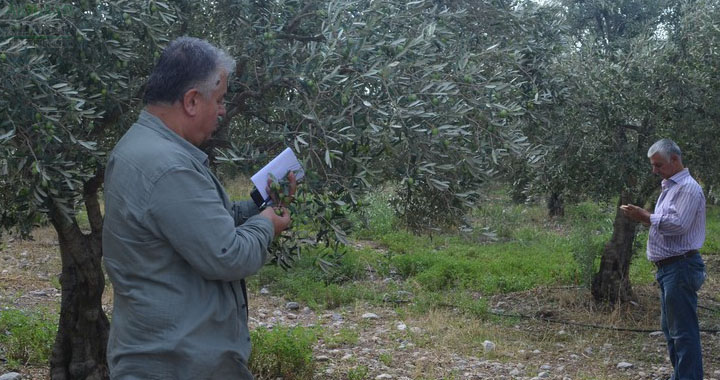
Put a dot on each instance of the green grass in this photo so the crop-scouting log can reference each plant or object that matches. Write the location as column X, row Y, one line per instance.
column 712, row 231
column 345, row 337
column 360, row 372
column 319, row 289
column 238, row 188
column 26, row 337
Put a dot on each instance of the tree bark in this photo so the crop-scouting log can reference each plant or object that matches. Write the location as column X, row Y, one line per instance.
column 612, row 282
column 80, row 345
column 555, row 205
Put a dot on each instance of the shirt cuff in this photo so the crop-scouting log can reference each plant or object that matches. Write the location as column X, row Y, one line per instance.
column 655, row 219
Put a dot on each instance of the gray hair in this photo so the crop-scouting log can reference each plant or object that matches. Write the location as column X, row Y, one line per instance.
column 186, row 63
column 665, row 148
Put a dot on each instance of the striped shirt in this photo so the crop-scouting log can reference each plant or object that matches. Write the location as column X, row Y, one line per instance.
column 678, row 223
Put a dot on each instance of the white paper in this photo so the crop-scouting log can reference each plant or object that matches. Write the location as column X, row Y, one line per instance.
column 279, row 166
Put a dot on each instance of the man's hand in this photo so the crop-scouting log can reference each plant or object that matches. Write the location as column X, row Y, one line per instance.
column 280, row 222
column 636, row 213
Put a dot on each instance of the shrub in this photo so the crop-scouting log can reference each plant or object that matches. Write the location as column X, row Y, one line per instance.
column 425, row 207
column 283, row 352
column 27, row 337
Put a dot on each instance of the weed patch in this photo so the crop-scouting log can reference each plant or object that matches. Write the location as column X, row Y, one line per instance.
column 26, row 337
column 283, row 352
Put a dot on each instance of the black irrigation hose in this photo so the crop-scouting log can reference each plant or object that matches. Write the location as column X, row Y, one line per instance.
column 709, row 309
column 712, row 331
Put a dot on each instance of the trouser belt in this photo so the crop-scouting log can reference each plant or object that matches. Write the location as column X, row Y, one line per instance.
column 672, row 259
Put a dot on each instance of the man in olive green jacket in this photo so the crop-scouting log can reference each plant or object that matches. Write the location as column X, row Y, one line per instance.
column 177, row 250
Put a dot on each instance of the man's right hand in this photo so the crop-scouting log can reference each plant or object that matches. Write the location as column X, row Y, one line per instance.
column 636, row 213
column 280, row 222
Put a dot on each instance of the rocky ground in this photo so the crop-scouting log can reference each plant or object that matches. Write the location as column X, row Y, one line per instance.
column 547, row 333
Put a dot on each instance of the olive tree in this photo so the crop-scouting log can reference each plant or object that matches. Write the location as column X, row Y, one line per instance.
column 425, row 94
column 71, row 76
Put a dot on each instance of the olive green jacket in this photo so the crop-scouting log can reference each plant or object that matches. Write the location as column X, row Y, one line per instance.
column 176, row 250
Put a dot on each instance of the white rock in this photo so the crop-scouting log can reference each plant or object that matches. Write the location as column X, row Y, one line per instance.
column 624, row 365
column 656, row 333
column 415, row 330
column 264, row 291
column 574, row 357
column 514, row 372
column 383, row 376
column 543, row 375
column 11, row 376
column 401, row 326
column 346, row 357
column 536, row 352
column 292, row 305
column 545, row 367
column 322, row 358
column 370, row 316
column 488, row 346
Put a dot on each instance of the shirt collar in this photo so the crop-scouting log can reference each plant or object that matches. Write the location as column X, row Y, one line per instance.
column 678, row 177
column 153, row 122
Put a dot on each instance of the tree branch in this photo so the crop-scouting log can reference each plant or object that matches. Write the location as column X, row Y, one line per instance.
column 297, row 37
column 631, row 126
column 295, row 22
column 92, row 203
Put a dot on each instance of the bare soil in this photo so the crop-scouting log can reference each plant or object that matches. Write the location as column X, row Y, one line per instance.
column 552, row 333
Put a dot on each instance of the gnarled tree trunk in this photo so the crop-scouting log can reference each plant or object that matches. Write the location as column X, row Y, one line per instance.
column 612, row 282
column 81, row 341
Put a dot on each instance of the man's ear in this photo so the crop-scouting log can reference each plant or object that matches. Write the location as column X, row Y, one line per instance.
column 190, row 102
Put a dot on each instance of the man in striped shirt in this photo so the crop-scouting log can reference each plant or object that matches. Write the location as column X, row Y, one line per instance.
column 677, row 232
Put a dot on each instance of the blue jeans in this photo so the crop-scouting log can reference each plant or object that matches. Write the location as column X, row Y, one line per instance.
column 679, row 283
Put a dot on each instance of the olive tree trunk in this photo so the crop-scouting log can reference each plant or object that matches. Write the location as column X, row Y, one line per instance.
column 612, row 282
column 80, row 345
column 555, row 204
